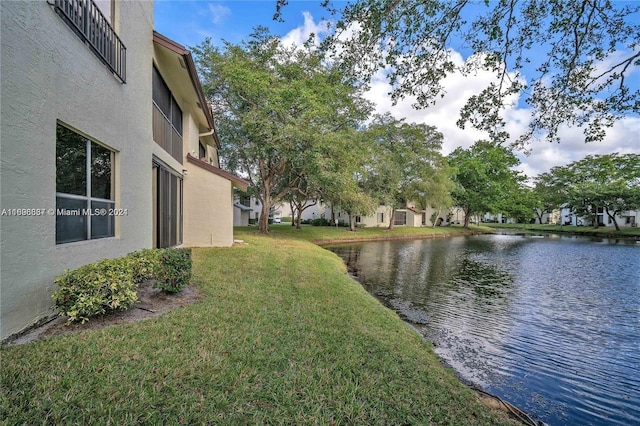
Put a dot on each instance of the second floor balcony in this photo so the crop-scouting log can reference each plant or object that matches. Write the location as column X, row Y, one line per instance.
column 89, row 23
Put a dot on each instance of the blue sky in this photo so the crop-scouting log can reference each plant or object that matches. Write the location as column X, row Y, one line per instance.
column 190, row 22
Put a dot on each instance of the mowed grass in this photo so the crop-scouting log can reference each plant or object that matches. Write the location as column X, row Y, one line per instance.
column 320, row 234
column 280, row 335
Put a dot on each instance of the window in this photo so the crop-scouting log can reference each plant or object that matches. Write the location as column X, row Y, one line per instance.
column 202, row 152
column 84, row 188
column 358, row 219
column 400, row 218
column 380, row 217
column 167, row 118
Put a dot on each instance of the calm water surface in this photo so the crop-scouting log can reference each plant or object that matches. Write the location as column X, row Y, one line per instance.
column 551, row 324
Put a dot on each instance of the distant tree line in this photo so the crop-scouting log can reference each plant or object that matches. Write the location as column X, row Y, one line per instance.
column 299, row 129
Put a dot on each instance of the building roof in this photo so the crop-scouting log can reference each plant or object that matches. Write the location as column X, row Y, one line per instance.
column 235, row 180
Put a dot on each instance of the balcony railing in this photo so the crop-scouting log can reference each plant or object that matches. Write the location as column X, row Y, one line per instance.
column 165, row 135
column 88, row 22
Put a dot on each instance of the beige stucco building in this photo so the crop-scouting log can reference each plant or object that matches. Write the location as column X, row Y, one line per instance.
column 89, row 169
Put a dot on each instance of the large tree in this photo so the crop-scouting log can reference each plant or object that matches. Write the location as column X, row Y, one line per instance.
column 549, row 193
column 277, row 108
column 573, row 61
column 404, row 162
column 484, row 178
column 609, row 182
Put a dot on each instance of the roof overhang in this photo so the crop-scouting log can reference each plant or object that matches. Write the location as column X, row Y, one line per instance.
column 241, row 207
column 236, row 181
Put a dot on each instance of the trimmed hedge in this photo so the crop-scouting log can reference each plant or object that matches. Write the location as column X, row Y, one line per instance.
column 173, row 270
column 95, row 289
column 111, row 284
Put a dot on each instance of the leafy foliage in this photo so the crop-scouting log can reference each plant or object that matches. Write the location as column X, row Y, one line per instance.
column 484, row 179
column 577, row 56
column 610, row 182
column 144, row 264
column 111, row 284
column 282, row 113
column 95, row 289
column 173, row 270
column 405, row 163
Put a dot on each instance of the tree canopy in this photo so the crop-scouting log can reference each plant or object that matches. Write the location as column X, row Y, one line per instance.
column 280, row 111
column 572, row 61
column 405, row 163
column 609, row 182
column 484, row 179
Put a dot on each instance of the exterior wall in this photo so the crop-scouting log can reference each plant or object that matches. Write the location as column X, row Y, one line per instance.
column 625, row 219
column 441, row 215
column 208, row 208
column 240, row 217
column 372, row 221
column 50, row 75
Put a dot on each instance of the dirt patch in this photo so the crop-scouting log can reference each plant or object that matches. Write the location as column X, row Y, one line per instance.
column 151, row 303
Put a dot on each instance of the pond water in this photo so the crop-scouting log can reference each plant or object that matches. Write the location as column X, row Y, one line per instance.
column 549, row 323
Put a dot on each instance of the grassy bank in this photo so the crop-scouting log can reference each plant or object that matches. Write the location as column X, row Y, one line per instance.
column 604, row 231
column 280, row 336
column 325, row 234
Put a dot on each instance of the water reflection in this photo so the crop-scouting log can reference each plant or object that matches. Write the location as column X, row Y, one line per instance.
column 551, row 324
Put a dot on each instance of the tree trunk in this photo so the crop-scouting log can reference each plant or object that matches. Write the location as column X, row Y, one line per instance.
column 433, row 223
column 263, row 222
column 352, row 223
column 298, row 217
column 467, row 217
column 293, row 213
column 391, row 218
column 539, row 216
column 613, row 218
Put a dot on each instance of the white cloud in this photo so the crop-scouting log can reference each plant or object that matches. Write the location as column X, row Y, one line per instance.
column 298, row 36
column 218, row 12
column 623, row 137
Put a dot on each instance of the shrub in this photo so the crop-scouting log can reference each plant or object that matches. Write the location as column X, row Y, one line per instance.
column 144, row 264
column 173, row 270
column 95, row 289
column 287, row 219
column 320, row 221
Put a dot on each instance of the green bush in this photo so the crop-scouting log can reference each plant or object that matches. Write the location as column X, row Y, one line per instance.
column 287, row 219
column 144, row 264
column 95, row 289
column 173, row 270
column 320, row 221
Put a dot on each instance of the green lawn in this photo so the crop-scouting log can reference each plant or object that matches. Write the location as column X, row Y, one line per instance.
column 320, row 234
column 280, row 336
column 588, row 230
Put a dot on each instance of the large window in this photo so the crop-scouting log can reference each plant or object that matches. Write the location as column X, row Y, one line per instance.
column 84, row 188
